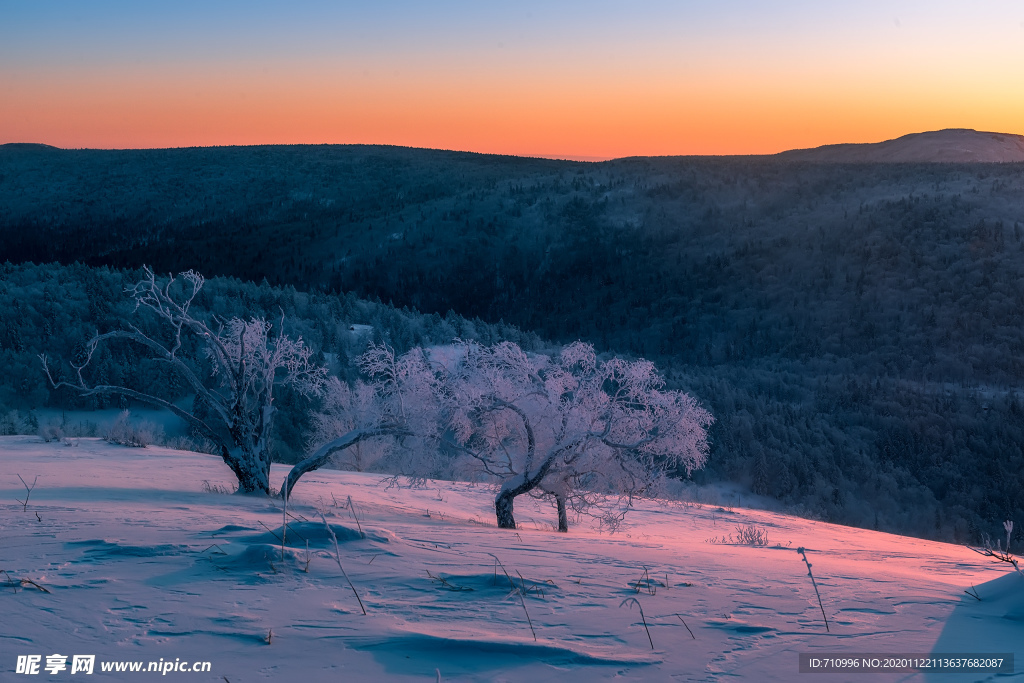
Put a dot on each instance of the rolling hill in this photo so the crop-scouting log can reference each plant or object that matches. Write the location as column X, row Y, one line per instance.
column 953, row 145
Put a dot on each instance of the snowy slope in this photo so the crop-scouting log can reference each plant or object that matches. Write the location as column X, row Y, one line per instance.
column 142, row 564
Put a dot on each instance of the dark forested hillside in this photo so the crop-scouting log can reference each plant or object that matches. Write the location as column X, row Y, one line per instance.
column 54, row 310
column 856, row 329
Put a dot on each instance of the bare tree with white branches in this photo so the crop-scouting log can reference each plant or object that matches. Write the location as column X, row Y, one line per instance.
column 570, row 426
column 591, row 434
column 395, row 413
column 244, row 359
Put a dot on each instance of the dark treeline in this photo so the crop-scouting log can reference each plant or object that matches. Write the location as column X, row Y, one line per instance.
column 856, row 329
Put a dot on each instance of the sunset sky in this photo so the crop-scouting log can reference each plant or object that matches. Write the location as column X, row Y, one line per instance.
column 586, row 79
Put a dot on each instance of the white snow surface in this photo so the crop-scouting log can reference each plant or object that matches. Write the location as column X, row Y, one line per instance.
column 142, row 564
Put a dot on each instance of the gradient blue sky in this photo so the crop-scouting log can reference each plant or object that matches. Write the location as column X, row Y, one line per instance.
column 578, row 79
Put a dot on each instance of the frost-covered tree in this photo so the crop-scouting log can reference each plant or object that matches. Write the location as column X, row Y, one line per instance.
column 570, row 426
column 345, row 408
column 243, row 361
column 394, row 413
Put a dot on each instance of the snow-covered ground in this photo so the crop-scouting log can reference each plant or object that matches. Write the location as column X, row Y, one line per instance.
column 143, row 564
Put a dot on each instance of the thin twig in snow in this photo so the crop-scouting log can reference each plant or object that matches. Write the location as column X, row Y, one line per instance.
column 352, row 509
column 337, row 556
column 522, row 600
column 803, row 554
column 517, row 591
column 299, row 518
column 270, row 530
column 634, row 601
column 219, row 549
column 687, row 627
column 22, row 583
column 28, row 489
column 446, row 583
column 650, row 584
column 998, row 553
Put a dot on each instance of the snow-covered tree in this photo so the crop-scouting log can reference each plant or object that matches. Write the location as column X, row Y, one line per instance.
column 390, row 420
column 243, row 360
column 570, row 426
column 345, row 408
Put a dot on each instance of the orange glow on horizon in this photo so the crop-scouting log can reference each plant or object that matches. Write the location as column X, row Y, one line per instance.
column 589, row 120
column 644, row 91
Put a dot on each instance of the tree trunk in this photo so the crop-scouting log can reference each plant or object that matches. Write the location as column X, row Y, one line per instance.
column 563, row 518
column 519, row 484
column 252, row 479
column 503, row 508
column 252, row 467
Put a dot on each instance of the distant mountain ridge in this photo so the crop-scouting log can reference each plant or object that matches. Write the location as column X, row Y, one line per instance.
column 952, row 145
column 25, row 146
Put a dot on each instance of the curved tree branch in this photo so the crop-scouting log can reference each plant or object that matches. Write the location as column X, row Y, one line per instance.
column 191, row 419
column 322, row 455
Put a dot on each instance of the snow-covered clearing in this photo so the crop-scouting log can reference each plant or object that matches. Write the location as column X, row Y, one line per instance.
column 142, row 564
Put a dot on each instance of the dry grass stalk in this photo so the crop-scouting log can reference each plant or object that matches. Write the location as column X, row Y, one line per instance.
column 20, row 583
column 650, row 584
column 28, row 492
column 803, row 553
column 634, row 601
column 352, row 509
column 284, row 521
column 687, row 627
column 521, row 592
column 273, row 533
column 219, row 551
column 337, row 556
column 751, row 535
column 215, row 488
column 447, row 584
column 997, row 552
